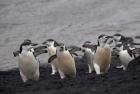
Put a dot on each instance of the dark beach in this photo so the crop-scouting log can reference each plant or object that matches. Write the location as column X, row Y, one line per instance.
column 115, row 81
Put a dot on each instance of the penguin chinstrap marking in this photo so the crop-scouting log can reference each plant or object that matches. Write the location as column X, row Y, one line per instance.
column 66, row 63
column 102, row 57
column 89, row 51
column 51, row 48
column 28, row 64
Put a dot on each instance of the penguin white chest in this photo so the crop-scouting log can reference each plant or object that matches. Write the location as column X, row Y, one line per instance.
column 125, row 57
column 102, row 60
column 27, row 63
column 51, row 51
column 54, row 65
column 89, row 55
column 66, row 63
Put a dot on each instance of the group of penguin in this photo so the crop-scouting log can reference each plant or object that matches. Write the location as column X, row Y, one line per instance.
column 61, row 58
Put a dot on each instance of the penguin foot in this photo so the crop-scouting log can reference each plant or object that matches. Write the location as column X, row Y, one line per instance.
column 124, row 68
column 97, row 69
column 119, row 67
column 88, row 72
column 62, row 75
column 53, row 73
column 23, row 77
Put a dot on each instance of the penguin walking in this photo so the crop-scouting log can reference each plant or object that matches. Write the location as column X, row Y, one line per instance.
column 51, row 48
column 66, row 62
column 28, row 64
column 102, row 57
column 89, row 51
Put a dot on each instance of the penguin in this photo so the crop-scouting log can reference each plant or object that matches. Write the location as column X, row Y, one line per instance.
column 89, row 50
column 102, row 56
column 121, row 38
column 66, row 62
column 28, row 64
column 125, row 55
column 51, row 48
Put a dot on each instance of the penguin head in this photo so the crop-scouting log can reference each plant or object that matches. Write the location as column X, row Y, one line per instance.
column 27, row 45
column 111, row 42
column 129, row 47
column 123, row 46
column 102, row 39
column 85, row 46
column 88, row 46
column 62, row 47
column 51, row 42
column 120, row 46
column 86, row 43
column 119, row 37
column 105, row 39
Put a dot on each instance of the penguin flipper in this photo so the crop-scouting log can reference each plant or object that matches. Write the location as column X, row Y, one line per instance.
column 37, row 53
column 40, row 48
column 73, row 50
column 16, row 53
column 75, row 54
column 52, row 58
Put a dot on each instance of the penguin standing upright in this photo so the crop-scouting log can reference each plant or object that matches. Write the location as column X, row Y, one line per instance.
column 66, row 62
column 123, row 42
column 28, row 64
column 89, row 51
column 51, row 48
column 125, row 54
column 102, row 57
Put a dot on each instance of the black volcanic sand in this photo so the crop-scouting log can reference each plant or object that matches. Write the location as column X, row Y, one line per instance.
column 115, row 81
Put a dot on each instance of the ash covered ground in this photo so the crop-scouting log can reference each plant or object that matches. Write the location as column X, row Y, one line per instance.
column 115, row 81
